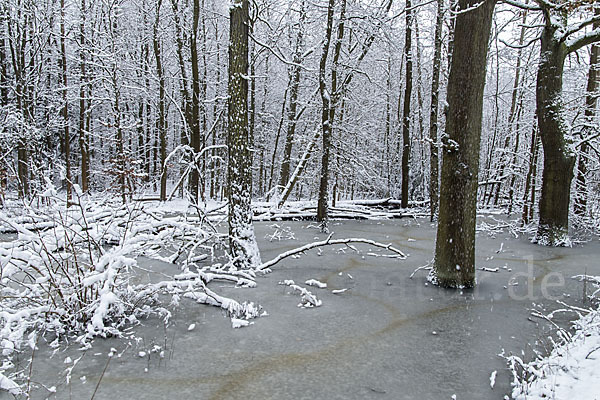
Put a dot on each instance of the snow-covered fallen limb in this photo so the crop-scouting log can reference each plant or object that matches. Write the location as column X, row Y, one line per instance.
column 68, row 272
column 327, row 242
column 195, row 289
column 309, row 300
column 568, row 372
column 239, row 323
column 486, row 269
column 339, row 291
column 316, row 283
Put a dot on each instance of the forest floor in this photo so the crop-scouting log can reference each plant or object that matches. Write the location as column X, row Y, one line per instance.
column 377, row 334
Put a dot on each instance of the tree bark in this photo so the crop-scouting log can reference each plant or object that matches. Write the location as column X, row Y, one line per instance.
column 530, row 180
column 406, row 117
column 65, row 108
column 284, row 174
column 559, row 161
column 454, row 264
column 326, row 123
column 161, row 122
column 242, row 241
column 83, row 83
column 195, row 106
column 434, row 110
column 581, row 193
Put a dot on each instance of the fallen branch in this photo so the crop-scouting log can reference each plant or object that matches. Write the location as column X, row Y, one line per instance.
column 327, row 242
column 427, row 267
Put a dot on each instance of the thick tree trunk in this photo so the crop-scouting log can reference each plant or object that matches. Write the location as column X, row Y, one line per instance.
column 242, row 241
column 455, row 245
column 433, row 115
column 559, row 161
column 406, row 117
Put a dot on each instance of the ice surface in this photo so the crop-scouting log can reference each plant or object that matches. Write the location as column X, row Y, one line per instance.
column 374, row 341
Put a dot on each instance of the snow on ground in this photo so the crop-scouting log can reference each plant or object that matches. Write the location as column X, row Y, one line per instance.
column 570, row 371
column 179, row 233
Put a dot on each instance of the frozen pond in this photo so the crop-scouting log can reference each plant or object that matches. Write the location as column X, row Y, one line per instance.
column 387, row 337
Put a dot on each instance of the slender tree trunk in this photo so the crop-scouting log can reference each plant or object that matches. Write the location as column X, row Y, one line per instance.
column 326, row 98
column 3, row 55
column 530, row 180
column 184, row 139
column 581, row 196
column 65, row 109
column 406, row 117
column 455, row 244
column 287, row 190
column 277, row 137
column 3, row 89
column 17, row 40
column 513, row 116
column 195, row 120
column 242, row 241
column 204, row 116
column 146, row 115
column 161, row 122
column 284, row 174
column 433, row 115
column 83, row 82
column 513, row 176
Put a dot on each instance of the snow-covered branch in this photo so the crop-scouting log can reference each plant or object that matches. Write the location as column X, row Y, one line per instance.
column 327, row 242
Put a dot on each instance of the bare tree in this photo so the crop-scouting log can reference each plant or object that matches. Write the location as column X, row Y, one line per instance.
column 406, row 115
column 326, row 123
column 434, row 110
column 591, row 100
column 161, row 121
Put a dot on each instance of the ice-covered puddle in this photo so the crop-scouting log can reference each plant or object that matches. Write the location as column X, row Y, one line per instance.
column 385, row 337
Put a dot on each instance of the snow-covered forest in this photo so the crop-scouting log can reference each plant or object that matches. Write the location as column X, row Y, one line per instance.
column 415, row 176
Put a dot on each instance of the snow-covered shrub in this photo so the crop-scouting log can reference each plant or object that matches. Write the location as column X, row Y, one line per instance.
column 60, row 275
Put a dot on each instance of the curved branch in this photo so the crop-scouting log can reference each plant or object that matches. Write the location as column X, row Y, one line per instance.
column 589, row 38
column 514, row 46
column 580, row 26
column 266, row 265
column 522, row 6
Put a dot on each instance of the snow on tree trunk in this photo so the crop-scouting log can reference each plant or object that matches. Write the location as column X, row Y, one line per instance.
column 242, row 241
column 455, row 245
column 322, row 207
column 434, row 111
column 406, row 109
column 559, row 161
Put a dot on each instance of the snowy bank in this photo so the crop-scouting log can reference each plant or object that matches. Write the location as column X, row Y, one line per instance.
column 571, row 371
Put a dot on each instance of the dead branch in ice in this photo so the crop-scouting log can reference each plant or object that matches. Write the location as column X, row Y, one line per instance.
column 309, row 300
column 426, row 267
column 327, row 242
